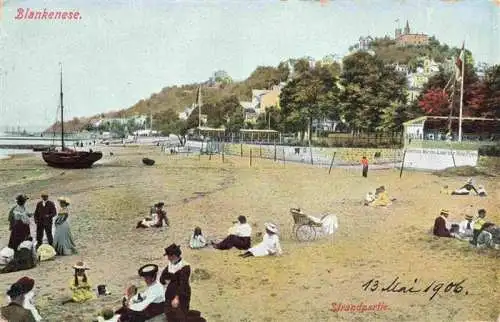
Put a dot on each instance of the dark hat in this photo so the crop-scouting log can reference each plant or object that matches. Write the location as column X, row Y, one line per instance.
column 21, row 198
column 160, row 204
column 22, row 286
column 242, row 219
column 148, row 270
column 481, row 211
column 173, row 250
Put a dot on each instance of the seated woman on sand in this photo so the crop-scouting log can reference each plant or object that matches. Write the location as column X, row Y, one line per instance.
column 381, row 198
column 239, row 236
column 270, row 244
column 80, row 285
column 440, row 229
column 158, row 216
column 197, row 241
column 466, row 189
column 485, row 238
column 24, row 258
column 140, row 307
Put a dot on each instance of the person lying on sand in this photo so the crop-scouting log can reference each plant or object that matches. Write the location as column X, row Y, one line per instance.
column 140, row 307
column 79, row 285
column 466, row 189
column 239, row 236
column 440, row 229
column 270, row 244
column 158, row 216
column 197, row 241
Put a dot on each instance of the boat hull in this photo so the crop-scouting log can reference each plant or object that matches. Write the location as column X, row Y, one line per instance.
column 71, row 159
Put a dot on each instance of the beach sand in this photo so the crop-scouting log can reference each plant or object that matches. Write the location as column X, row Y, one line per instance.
column 382, row 244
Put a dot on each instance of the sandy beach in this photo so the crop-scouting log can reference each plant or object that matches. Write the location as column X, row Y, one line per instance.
column 303, row 284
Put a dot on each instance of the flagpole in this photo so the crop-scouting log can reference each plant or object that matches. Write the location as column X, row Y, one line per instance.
column 199, row 107
column 461, row 97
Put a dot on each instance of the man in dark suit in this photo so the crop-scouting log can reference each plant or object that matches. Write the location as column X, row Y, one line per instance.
column 44, row 213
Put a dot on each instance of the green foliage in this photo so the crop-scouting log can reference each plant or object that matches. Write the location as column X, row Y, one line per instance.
column 312, row 93
column 389, row 52
column 489, row 150
column 374, row 94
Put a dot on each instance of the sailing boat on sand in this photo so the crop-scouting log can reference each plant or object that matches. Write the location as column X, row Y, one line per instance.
column 67, row 158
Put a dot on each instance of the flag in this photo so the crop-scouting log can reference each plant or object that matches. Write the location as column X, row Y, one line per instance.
column 458, row 63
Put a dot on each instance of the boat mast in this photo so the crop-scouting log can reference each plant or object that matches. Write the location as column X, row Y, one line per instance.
column 62, row 114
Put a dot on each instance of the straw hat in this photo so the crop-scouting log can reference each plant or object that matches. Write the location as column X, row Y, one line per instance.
column 44, row 194
column 444, row 212
column 64, row 199
column 81, row 265
column 469, row 217
column 271, row 227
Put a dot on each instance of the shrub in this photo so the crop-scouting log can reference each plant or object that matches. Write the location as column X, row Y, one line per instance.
column 489, row 150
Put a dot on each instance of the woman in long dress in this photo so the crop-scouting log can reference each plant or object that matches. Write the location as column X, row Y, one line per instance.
column 178, row 291
column 19, row 221
column 63, row 239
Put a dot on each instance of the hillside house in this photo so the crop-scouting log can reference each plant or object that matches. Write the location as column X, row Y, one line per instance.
column 261, row 99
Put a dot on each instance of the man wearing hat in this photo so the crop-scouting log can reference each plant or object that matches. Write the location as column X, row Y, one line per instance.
column 15, row 310
column 440, row 229
column 44, row 213
column 19, row 220
column 145, row 305
column 466, row 227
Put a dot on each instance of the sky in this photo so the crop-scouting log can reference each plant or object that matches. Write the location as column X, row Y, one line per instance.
column 120, row 52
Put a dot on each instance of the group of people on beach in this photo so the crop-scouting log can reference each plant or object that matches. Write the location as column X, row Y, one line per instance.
column 22, row 252
column 476, row 230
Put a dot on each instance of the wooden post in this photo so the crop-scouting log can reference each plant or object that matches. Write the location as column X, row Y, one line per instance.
column 284, row 155
column 275, row 150
column 311, row 153
column 241, row 150
column 331, row 164
column 250, row 157
column 260, row 150
column 453, row 157
column 210, row 155
column 402, row 164
column 223, row 148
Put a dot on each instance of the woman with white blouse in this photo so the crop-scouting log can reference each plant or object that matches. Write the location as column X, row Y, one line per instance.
column 270, row 244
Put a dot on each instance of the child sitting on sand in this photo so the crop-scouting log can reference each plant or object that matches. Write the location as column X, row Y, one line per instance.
column 80, row 286
column 197, row 240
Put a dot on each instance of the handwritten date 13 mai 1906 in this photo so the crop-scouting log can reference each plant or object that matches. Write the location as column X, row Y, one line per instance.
column 395, row 287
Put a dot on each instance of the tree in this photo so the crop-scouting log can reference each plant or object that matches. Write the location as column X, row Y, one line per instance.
column 312, row 94
column 492, row 84
column 372, row 93
column 435, row 102
column 270, row 119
